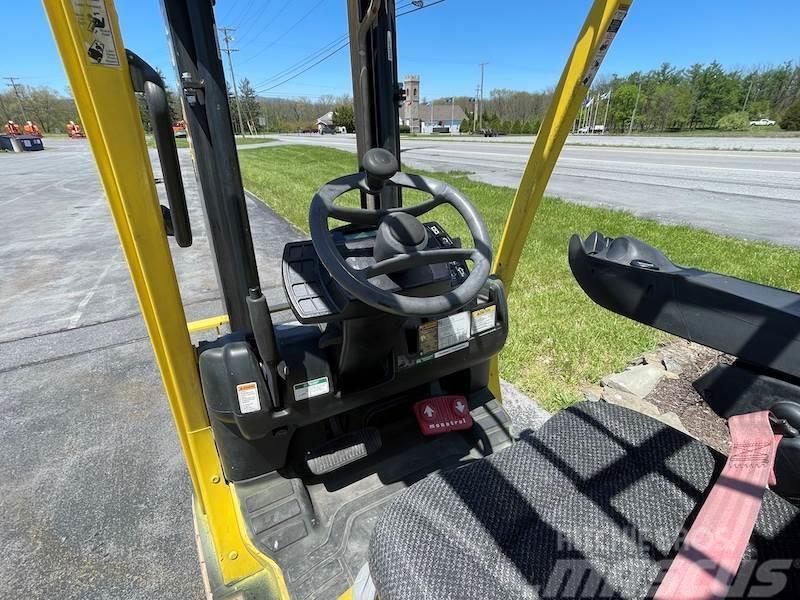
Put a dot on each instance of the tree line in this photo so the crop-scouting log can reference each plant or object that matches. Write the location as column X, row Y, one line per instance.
column 668, row 98
column 41, row 104
column 665, row 99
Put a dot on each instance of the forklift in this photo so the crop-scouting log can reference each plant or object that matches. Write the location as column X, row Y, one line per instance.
column 351, row 442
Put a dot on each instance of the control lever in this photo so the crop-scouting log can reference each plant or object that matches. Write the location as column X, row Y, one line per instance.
column 264, row 335
column 380, row 165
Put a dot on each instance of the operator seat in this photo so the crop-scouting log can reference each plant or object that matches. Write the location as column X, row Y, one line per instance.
column 592, row 505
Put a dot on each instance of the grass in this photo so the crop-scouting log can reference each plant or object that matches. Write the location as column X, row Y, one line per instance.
column 184, row 143
column 559, row 339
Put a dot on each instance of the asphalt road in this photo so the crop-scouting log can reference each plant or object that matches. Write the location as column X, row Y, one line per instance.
column 95, row 496
column 746, row 194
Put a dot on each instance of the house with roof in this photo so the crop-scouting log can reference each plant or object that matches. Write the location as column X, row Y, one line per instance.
column 429, row 116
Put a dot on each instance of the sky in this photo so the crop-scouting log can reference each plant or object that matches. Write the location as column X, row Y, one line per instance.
column 524, row 42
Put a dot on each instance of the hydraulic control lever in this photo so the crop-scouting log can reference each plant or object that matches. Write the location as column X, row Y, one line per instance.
column 264, row 335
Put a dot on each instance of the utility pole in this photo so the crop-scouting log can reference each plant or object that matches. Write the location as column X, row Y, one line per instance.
column 452, row 112
column 475, row 111
column 480, row 116
column 228, row 38
column 747, row 97
column 635, row 106
column 13, row 84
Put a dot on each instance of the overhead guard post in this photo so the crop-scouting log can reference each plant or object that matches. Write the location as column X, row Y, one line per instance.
column 101, row 85
column 590, row 48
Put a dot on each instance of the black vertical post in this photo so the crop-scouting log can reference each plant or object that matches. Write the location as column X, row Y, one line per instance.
column 192, row 33
column 377, row 122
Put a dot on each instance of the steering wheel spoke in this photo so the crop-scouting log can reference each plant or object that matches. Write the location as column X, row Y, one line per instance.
column 402, row 262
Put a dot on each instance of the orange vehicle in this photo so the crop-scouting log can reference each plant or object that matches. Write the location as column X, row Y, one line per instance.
column 12, row 128
column 74, row 130
column 30, row 128
column 179, row 129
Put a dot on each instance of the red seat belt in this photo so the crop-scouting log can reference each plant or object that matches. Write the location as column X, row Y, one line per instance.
column 713, row 548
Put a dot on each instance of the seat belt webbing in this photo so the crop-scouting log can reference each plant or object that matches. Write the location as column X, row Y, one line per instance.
column 713, row 548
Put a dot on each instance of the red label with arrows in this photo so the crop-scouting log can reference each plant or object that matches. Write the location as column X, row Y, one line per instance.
column 442, row 414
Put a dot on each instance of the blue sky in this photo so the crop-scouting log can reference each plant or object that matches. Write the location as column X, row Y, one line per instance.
column 525, row 42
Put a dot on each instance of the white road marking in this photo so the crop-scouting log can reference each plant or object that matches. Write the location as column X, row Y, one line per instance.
column 76, row 317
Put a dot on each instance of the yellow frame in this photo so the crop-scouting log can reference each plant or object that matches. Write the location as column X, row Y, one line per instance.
column 558, row 120
column 108, row 111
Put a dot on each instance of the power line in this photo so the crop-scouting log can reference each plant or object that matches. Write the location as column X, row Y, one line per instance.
column 227, row 38
column 253, row 21
column 228, row 9
column 303, row 62
column 17, row 94
column 417, row 8
column 286, row 32
column 338, row 49
column 309, row 67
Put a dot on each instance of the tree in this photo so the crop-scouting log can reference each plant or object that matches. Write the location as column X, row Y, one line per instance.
column 622, row 102
column 175, row 110
column 735, row 121
column 251, row 109
column 343, row 116
column 43, row 105
column 791, row 118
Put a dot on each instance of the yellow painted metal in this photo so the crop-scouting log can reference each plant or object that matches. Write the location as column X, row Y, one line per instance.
column 109, row 114
column 209, row 323
column 348, row 595
column 558, row 120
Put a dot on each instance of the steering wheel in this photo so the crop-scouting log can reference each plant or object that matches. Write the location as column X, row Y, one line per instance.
column 405, row 235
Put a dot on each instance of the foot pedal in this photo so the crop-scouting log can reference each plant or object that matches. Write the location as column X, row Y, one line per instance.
column 442, row 414
column 343, row 451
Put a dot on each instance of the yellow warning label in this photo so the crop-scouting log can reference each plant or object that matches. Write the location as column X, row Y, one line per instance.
column 429, row 337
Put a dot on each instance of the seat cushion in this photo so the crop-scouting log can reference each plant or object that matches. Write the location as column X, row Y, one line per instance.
column 592, row 505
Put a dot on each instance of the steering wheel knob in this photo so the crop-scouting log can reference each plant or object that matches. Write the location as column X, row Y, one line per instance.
column 380, row 165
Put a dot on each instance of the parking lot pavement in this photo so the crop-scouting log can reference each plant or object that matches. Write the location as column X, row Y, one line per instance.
column 96, row 498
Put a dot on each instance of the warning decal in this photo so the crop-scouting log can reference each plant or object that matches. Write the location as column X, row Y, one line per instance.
column 453, row 330
column 484, row 319
column 602, row 50
column 95, row 29
column 247, row 393
column 444, row 333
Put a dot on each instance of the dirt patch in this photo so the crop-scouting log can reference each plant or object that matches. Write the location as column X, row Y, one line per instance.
column 685, row 362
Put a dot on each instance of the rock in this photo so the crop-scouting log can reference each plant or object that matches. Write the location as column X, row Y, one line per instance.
column 630, row 401
column 592, row 393
column 639, row 381
column 639, row 360
column 674, row 421
column 525, row 412
column 672, row 365
column 652, row 358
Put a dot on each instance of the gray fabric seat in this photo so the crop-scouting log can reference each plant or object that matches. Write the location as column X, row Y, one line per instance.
column 592, row 505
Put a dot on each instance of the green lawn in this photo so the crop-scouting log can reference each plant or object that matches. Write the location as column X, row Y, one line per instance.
column 559, row 339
